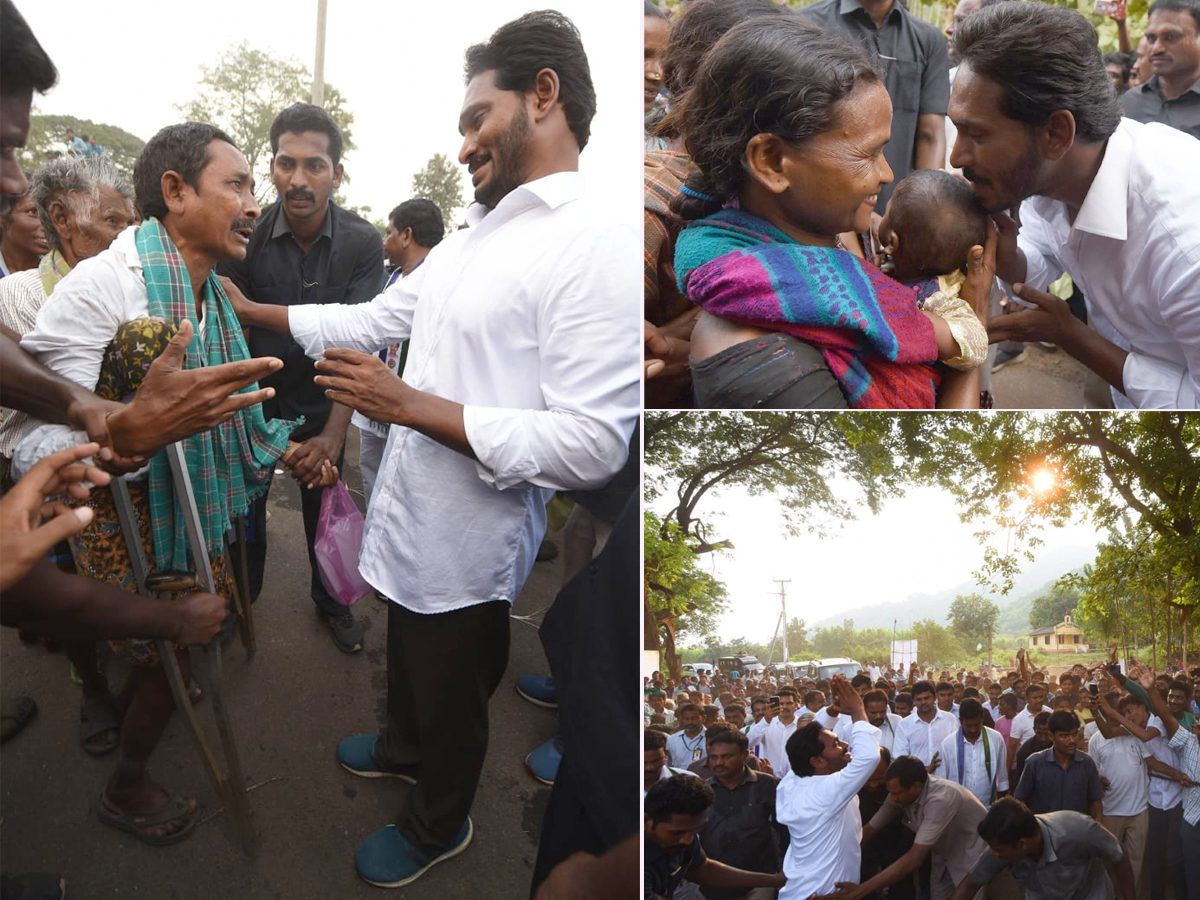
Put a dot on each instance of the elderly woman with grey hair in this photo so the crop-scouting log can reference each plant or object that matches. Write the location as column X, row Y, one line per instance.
column 83, row 204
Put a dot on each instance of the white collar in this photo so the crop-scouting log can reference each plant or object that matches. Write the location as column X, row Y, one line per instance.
column 552, row 190
column 1105, row 208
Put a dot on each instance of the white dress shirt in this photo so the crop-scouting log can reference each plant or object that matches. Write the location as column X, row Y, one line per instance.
column 823, row 822
column 682, row 750
column 976, row 776
column 842, row 724
column 1022, row 726
column 773, row 737
column 1134, row 251
column 915, row 737
column 525, row 319
column 1165, row 793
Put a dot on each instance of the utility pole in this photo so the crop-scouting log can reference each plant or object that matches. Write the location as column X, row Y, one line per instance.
column 318, row 90
column 783, row 606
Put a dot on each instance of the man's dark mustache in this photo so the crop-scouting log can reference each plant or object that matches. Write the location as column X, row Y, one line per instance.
column 250, row 224
column 300, row 195
column 475, row 162
column 973, row 178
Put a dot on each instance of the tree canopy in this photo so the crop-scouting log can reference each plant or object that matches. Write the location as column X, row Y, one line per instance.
column 47, row 134
column 441, row 182
column 1050, row 608
column 973, row 617
column 243, row 93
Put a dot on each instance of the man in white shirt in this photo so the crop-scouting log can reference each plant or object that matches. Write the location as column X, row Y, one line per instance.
column 686, row 745
column 522, row 378
column 1112, row 202
column 994, row 690
column 974, row 756
column 817, row 800
column 1022, row 726
column 773, row 733
column 921, row 734
column 879, row 715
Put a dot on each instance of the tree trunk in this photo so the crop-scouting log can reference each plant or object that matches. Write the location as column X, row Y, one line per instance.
column 672, row 659
column 649, row 629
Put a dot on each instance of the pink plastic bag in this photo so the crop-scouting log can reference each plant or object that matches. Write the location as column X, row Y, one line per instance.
column 339, row 539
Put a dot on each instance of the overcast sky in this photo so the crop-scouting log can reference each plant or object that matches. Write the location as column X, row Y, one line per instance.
column 915, row 545
column 399, row 65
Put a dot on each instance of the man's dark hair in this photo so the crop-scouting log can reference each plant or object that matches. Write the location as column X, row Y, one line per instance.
column 653, row 740
column 1042, row 719
column 703, row 23
column 176, row 148
column 1187, row 6
column 716, row 728
column 923, row 687
column 885, row 757
column 687, row 708
column 970, row 709
column 822, row 685
column 908, row 770
column 301, row 117
column 780, row 74
column 944, row 685
column 788, row 692
column 540, row 40
column 1008, row 821
column 875, row 695
column 1010, row 700
column 759, row 698
column 904, row 697
column 1127, row 701
column 859, row 680
column 1180, row 684
column 679, row 795
column 969, row 692
column 730, row 736
column 24, row 65
column 802, row 746
column 1035, row 687
column 1007, row 43
column 653, row 10
column 1062, row 721
column 732, row 706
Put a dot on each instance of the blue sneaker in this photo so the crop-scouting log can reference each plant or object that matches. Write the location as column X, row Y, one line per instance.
column 386, row 859
column 538, row 690
column 356, row 754
column 542, row 762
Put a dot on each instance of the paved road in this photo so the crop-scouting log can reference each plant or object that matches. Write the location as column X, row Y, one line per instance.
column 290, row 706
column 1048, row 379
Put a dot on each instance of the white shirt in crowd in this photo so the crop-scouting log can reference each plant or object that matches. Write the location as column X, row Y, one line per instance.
column 682, row 750
column 842, row 724
column 1122, row 760
column 524, row 319
column 823, row 822
column 773, row 736
column 915, row 737
column 977, row 776
column 1165, row 793
column 875, row 673
column 1022, row 726
column 1134, row 252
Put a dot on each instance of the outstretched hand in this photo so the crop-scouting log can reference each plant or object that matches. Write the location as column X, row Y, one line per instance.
column 1048, row 318
column 173, row 403
column 31, row 525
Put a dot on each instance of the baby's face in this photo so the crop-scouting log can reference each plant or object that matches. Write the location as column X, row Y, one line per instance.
column 897, row 265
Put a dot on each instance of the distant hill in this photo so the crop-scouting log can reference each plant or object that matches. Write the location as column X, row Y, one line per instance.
column 1030, row 584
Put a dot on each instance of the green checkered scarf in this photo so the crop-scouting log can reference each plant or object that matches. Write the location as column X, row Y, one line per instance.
column 230, row 465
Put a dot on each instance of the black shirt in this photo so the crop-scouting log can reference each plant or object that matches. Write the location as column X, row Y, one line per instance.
column 1145, row 103
column 1046, row 787
column 741, row 830
column 664, row 871
column 918, row 71
column 1027, row 749
column 776, row 371
column 343, row 265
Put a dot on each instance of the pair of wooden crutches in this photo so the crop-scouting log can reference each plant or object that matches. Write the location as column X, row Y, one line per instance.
column 229, row 782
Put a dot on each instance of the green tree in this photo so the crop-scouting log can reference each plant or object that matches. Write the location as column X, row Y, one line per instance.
column 1101, row 465
column 47, row 135
column 798, row 643
column 441, row 182
column 973, row 617
column 935, row 642
column 243, row 93
column 1049, row 608
column 796, row 457
column 682, row 600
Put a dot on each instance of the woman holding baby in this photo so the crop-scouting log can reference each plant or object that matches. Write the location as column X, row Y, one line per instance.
column 786, row 124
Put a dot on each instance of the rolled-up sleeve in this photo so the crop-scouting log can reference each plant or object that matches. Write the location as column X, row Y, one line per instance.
column 589, row 379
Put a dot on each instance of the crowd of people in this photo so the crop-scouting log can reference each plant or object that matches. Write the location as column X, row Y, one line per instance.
column 1081, row 786
column 847, row 208
column 164, row 305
